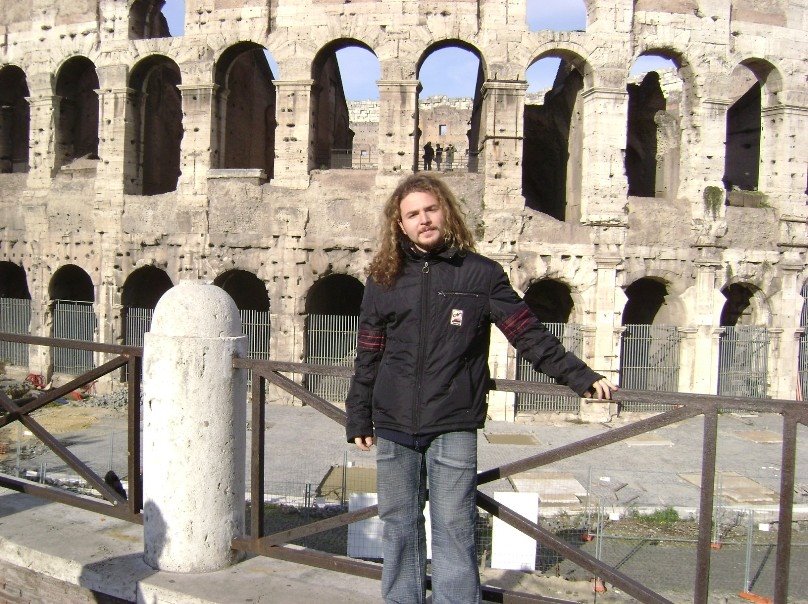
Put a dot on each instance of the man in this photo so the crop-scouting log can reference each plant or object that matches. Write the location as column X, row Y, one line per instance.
column 420, row 383
column 429, row 153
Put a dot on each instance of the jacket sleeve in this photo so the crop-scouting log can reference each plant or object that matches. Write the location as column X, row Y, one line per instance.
column 370, row 342
column 533, row 340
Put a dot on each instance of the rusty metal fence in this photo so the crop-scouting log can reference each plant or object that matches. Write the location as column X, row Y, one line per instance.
column 680, row 407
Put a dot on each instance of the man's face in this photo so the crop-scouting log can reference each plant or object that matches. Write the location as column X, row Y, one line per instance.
column 422, row 220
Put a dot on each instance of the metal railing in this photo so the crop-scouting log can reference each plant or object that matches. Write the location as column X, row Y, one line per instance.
column 349, row 159
column 15, row 317
column 113, row 504
column 571, row 337
column 680, row 407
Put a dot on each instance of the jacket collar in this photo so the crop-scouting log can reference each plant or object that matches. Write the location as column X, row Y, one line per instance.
column 446, row 253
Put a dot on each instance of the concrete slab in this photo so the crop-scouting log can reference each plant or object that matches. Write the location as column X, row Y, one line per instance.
column 761, row 436
column 106, row 555
column 511, row 439
column 553, row 488
column 737, row 488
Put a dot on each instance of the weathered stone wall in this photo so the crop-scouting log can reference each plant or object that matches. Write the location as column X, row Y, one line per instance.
column 306, row 223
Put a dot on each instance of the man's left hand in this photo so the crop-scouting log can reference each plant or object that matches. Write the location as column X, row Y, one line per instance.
column 603, row 389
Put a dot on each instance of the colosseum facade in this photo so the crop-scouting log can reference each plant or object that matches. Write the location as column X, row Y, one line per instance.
column 132, row 159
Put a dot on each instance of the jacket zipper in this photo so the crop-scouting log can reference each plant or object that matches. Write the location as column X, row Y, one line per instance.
column 421, row 344
column 461, row 294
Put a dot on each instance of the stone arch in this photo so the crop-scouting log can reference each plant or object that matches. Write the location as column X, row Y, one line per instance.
column 73, row 283
column 428, row 121
column 335, row 294
column 246, row 108
column 659, row 111
column 146, row 20
column 153, row 150
column 754, row 86
column 745, row 305
column 332, row 136
column 246, row 289
column 550, row 300
column 15, row 120
column 144, row 287
column 553, row 139
column 646, row 299
column 13, row 281
column 77, row 117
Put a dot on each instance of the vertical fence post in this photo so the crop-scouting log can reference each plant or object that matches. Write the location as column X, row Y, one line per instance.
column 194, row 430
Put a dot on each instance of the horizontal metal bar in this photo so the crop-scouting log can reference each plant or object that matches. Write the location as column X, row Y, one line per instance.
column 582, row 559
column 587, row 444
column 321, row 405
column 136, row 351
column 90, row 504
column 320, row 526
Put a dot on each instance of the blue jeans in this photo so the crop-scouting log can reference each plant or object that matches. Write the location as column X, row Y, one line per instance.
column 449, row 467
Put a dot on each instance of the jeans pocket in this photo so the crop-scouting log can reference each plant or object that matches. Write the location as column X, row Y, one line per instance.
column 385, row 449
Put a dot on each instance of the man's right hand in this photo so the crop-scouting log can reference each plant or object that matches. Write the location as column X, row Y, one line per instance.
column 364, row 443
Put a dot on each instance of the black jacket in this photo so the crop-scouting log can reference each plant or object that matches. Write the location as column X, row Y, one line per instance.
column 422, row 349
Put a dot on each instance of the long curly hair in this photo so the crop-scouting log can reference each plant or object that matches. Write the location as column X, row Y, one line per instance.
column 387, row 263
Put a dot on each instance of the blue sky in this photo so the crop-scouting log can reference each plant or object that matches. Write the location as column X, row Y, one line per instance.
column 451, row 71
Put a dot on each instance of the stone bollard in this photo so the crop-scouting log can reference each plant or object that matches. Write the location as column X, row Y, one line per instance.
column 194, row 430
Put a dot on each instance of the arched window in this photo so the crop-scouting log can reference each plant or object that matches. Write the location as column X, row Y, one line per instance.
column 72, row 295
column 251, row 297
column 246, row 108
column 653, row 129
column 449, row 107
column 331, row 122
column 140, row 293
column 146, row 20
column 15, row 120
column 77, row 120
column 551, row 152
column 332, row 306
column 153, row 166
column 743, row 347
column 551, row 301
column 649, row 351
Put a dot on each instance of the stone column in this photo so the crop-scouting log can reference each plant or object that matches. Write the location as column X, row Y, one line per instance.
column 784, row 156
column 687, row 356
column 42, row 132
column 603, row 173
column 116, row 130
column 194, row 426
column 609, row 300
column 707, row 304
column 784, row 360
column 293, row 149
column 501, row 145
column 199, row 148
column 398, row 104
column 705, row 165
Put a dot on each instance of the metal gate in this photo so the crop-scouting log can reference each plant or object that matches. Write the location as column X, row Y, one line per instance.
column 331, row 340
column 15, row 317
column 649, row 360
column 73, row 320
column 572, row 337
column 743, row 354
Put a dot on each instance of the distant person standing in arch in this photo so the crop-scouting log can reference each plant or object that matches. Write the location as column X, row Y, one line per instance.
column 429, row 153
column 421, row 379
